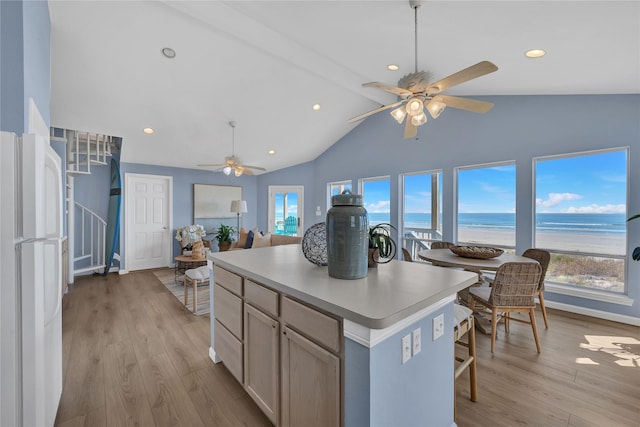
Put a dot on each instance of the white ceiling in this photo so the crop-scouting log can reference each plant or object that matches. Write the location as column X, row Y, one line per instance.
column 265, row 63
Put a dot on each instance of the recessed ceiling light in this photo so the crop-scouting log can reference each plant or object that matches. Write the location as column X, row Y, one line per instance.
column 272, row 152
column 535, row 53
column 148, row 131
column 392, row 67
column 316, row 107
column 167, row 52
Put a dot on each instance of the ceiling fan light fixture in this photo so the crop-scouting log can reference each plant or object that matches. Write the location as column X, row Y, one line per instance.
column 399, row 114
column 419, row 119
column 227, row 170
column 414, row 106
column 436, row 107
column 237, row 172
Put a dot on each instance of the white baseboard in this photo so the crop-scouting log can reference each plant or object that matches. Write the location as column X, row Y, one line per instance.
column 629, row 320
column 123, row 272
column 213, row 356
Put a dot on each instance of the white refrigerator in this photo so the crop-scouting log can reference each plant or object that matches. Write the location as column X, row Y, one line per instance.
column 30, row 281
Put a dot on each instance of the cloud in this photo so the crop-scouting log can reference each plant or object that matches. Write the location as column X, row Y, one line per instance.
column 555, row 199
column 381, row 206
column 596, row 209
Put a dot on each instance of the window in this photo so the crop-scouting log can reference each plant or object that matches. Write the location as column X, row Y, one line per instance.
column 286, row 213
column 334, row 188
column 487, row 204
column 376, row 197
column 581, row 210
column 421, row 210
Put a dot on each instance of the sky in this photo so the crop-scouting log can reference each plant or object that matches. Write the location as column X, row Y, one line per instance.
column 594, row 183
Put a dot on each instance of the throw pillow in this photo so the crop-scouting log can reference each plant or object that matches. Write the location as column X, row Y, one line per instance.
column 249, row 241
column 242, row 239
column 262, row 241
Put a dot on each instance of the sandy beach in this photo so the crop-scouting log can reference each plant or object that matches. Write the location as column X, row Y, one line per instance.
column 606, row 244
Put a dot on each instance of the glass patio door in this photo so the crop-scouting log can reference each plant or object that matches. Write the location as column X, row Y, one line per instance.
column 286, row 210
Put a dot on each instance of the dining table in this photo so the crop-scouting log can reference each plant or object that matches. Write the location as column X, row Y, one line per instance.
column 446, row 258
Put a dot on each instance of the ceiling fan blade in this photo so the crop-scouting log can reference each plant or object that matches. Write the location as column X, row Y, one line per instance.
column 246, row 171
column 470, row 73
column 465, row 104
column 410, row 131
column 212, row 165
column 404, row 93
column 254, row 167
column 372, row 112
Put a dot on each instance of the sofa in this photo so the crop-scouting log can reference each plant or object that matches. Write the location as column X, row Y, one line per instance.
column 255, row 239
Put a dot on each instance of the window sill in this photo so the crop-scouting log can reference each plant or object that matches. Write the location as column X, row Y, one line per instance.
column 592, row 294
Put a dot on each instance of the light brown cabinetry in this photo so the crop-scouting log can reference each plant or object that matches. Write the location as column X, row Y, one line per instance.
column 262, row 361
column 285, row 353
column 310, row 383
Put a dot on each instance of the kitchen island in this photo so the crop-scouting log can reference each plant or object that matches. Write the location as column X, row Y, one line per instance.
column 275, row 318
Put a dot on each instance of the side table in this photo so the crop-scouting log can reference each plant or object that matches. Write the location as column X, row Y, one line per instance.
column 184, row 263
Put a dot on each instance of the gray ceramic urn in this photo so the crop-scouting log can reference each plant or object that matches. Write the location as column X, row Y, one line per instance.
column 347, row 237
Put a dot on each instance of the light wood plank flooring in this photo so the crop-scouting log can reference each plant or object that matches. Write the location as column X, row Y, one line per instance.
column 133, row 355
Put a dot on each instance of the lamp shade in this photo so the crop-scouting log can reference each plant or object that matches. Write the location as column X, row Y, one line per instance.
column 239, row 206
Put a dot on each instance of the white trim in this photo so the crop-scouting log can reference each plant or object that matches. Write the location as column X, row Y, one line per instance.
column 371, row 337
column 213, row 356
column 121, row 272
column 588, row 293
column 630, row 320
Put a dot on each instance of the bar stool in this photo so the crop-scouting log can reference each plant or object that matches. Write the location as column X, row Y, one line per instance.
column 464, row 325
column 192, row 278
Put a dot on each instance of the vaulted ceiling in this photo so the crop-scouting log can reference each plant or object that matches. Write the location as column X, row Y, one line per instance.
column 264, row 64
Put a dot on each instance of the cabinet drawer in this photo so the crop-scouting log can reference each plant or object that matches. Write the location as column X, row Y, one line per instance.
column 228, row 280
column 227, row 309
column 229, row 349
column 317, row 326
column 261, row 297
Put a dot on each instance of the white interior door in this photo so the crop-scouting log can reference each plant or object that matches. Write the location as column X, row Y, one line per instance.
column 148, row 207
column 286, row 210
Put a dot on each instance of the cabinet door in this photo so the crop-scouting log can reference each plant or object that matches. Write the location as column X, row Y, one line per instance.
column 261, row 361
column 310, row 383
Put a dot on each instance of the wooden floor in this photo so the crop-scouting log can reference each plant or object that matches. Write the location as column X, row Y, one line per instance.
column 133, row 355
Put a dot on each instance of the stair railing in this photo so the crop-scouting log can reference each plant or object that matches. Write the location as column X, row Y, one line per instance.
column 90, row 232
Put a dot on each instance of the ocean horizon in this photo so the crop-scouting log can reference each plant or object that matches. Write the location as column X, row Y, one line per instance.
column 610, row 224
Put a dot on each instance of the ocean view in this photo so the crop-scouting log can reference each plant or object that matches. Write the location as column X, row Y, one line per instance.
column 545, row 222
column 596, row 233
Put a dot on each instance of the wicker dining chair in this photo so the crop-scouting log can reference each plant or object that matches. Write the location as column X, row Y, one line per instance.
column 543, row 257
column 440, row 245
column 406, row 255
column 513, row 290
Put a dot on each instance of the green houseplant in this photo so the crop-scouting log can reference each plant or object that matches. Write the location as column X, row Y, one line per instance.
column 382, row 248
column 225, row 236
column 636, row 251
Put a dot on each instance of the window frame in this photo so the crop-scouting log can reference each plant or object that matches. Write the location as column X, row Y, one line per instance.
column 456, row 186
column 361, row 183
column 439, row 201
column 331, row 184
column 580, row 290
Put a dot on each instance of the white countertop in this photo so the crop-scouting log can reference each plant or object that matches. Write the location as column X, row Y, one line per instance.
column 387, row 295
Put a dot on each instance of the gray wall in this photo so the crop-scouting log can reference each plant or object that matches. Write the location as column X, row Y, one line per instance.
column 517, row 129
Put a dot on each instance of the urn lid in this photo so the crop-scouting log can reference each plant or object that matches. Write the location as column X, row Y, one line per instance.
column 346, row 199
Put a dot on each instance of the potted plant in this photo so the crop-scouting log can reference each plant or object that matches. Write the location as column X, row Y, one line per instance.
column 225, row 237
column 382, row 248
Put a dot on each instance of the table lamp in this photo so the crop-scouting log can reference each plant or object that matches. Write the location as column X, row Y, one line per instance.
column 238, row 206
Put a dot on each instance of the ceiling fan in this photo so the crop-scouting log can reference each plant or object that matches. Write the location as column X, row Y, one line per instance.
column 232, row 163
column 416, row 92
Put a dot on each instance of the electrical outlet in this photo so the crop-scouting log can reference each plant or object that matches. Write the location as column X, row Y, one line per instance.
column 406, row 348
column 417, row 344
column 438, row 326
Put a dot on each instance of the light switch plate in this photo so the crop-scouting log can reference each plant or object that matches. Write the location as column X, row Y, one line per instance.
column 406, row 348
